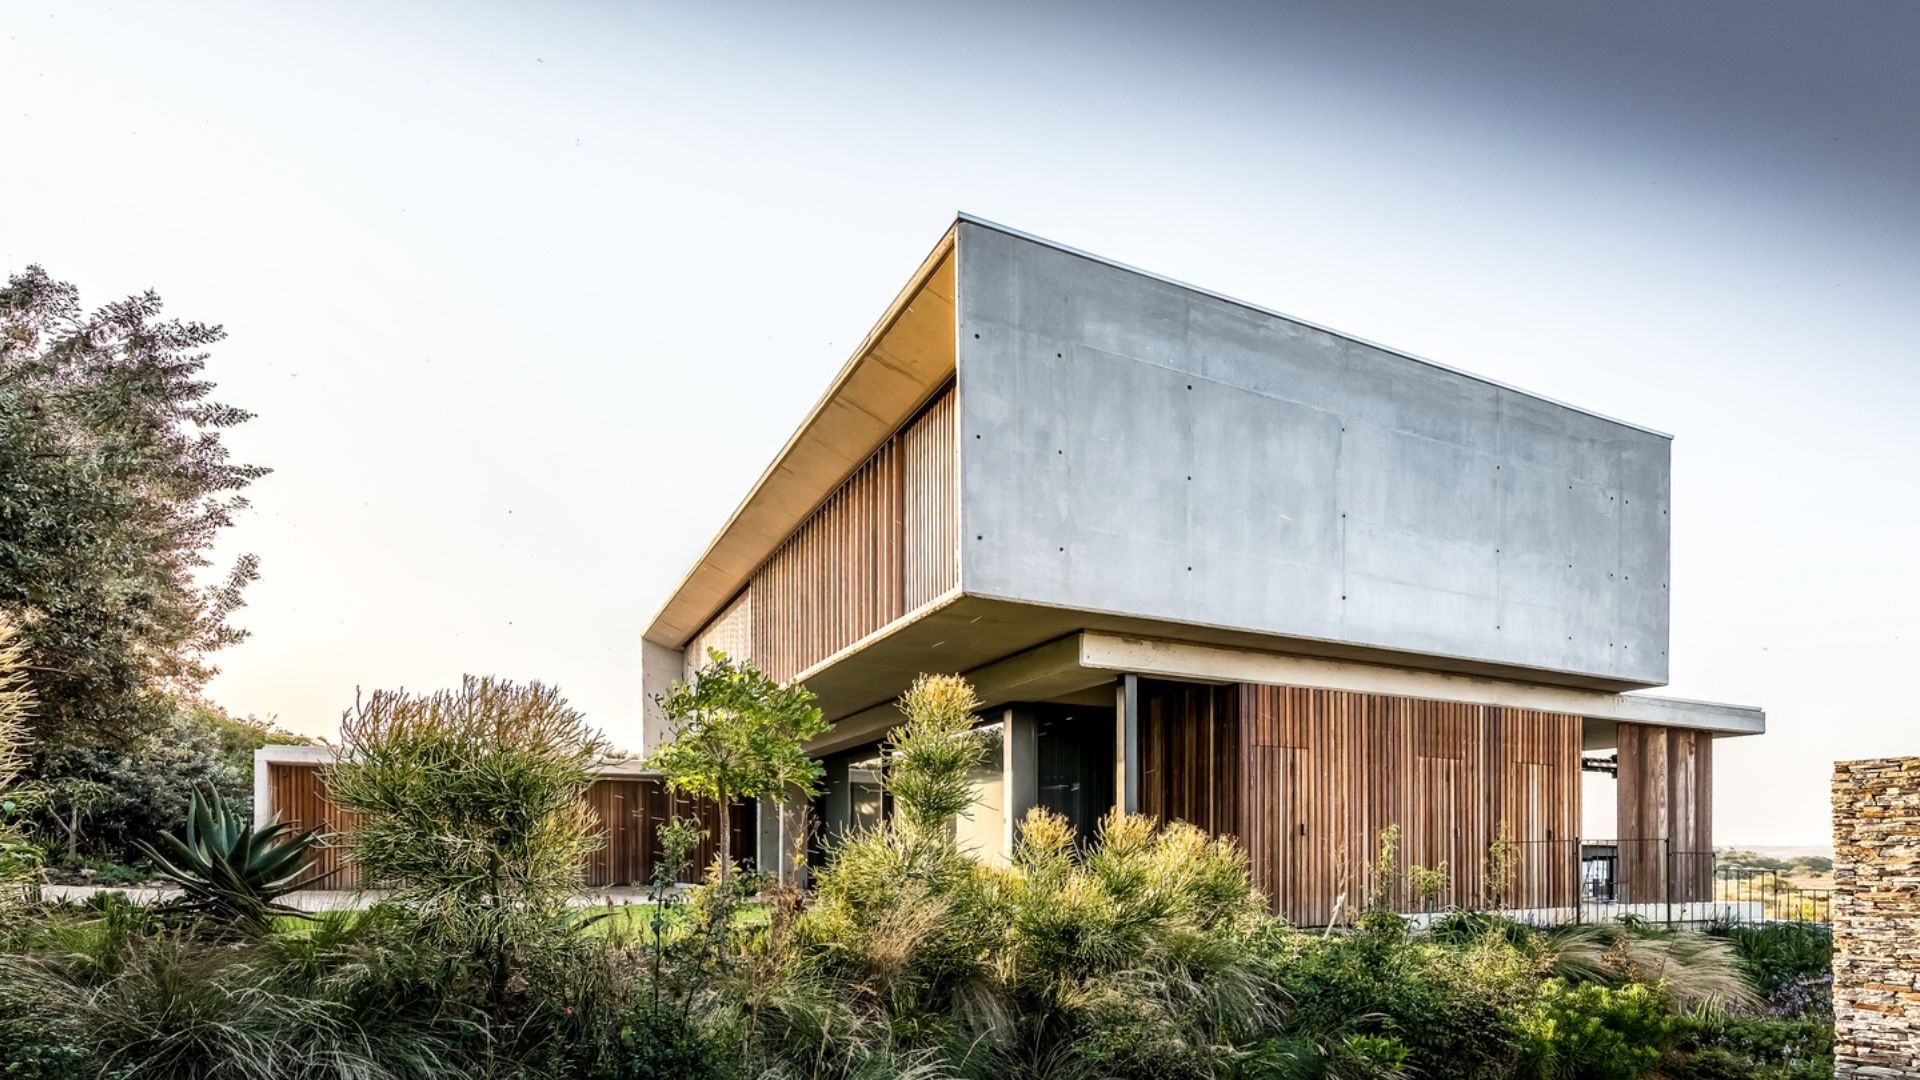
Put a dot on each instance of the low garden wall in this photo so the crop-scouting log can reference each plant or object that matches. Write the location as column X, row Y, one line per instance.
column 1876, row 917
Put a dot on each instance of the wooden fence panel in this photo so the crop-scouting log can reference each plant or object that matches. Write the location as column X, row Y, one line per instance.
column 630, row 810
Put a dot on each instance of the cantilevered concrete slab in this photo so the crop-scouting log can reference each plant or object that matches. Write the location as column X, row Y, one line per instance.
column 1083, row 666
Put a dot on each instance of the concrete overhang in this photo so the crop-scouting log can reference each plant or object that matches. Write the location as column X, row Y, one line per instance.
column 1024, row 652
column 902, row 362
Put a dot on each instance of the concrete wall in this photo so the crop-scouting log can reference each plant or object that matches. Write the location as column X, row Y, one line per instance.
column 1134, row 447
column 660, row 668
column 1876, row 917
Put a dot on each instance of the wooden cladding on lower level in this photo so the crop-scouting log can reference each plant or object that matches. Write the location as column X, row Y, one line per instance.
column 1310, row 779
column 1665, row 798
column 630, row 809
column 885, row 544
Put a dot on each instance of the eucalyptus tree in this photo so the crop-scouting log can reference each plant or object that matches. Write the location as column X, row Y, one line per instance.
column 739, row 734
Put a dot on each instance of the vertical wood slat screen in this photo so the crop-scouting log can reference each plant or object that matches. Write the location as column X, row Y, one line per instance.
column 1327, row 771
column 1308, row 779
column 297, row 795
column 630, row 810
column 885, row 544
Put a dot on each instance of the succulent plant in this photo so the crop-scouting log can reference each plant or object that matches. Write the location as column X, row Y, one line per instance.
column 234, row 873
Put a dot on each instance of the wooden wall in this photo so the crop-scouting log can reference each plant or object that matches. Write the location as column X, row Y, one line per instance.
column 630, row 809
column 1665, row 812
column 1308, row 780
column 1190, row 749
column 297, row 795
column 883, row 545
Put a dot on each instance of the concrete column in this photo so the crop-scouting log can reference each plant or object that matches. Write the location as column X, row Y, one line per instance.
column 1020, row 764
column 660, row 668
column 1126, row 744
column 782, row 829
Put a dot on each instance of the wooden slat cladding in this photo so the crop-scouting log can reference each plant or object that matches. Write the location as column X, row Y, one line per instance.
column 1309, row 779
column 882, row 546
column 1328, row 771
column 630, row 810
column 1190, row 752
column 1664, row 808
column 297, row 795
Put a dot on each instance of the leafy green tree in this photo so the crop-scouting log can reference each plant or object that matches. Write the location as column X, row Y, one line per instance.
column 739, row 734
column 114, row 484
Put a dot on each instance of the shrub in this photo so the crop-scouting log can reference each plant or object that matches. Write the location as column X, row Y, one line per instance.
column 168, row 1007
column 231, row 871
column 1595, row 1032
column 471, row 809
column 1784, row 961
column 19, row 859
column 1694, row 970
column 1754, row 1048
column 1450, row 1005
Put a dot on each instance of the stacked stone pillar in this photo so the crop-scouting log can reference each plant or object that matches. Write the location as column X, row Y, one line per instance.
column 1876, row 917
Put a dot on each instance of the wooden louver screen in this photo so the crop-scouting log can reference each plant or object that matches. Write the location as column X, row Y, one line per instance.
column 882, row 546
column 1308, row 779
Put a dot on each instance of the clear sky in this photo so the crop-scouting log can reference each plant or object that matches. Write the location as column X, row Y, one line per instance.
column 525, row 296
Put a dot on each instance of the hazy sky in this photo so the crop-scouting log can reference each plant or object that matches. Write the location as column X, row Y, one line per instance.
column 526, row 296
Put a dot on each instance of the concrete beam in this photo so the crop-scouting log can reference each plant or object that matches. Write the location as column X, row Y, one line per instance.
column 1207, row 663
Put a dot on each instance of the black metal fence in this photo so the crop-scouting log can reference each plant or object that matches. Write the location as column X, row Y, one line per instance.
column 1607, row 880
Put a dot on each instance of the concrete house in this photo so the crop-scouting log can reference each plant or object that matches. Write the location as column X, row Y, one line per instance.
column 1212, row 563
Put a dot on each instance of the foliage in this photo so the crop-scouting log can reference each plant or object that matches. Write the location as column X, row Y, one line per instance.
column 133, row 1000
column 1594, row 1032
column 1449, row 1001
column 738, row 734
column 1753, row 1048
column 114, row 485
column 470, row 807
column 231, row 872
column 1694, row 970
column 1785, row 961
column 104, row 799
column 19, row 858
column 931, row 756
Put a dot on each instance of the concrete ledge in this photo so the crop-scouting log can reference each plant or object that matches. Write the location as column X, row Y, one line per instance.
column 1159, row 658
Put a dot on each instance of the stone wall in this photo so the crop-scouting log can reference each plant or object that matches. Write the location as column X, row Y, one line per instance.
column 1876, row 917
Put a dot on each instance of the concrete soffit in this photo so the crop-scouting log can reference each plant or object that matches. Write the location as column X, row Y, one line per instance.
column 909, row 354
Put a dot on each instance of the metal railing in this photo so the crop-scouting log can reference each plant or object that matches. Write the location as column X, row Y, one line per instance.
column 1552, row 882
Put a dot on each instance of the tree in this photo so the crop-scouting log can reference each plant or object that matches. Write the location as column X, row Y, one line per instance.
column 739, row 734
column 471, row 807
column 107, row 798
column 114, row 484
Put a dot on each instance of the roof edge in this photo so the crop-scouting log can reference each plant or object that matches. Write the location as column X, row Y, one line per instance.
column 973, row 219
column 895, row 308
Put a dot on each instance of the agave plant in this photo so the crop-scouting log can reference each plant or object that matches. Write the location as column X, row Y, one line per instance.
column 232, row 872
